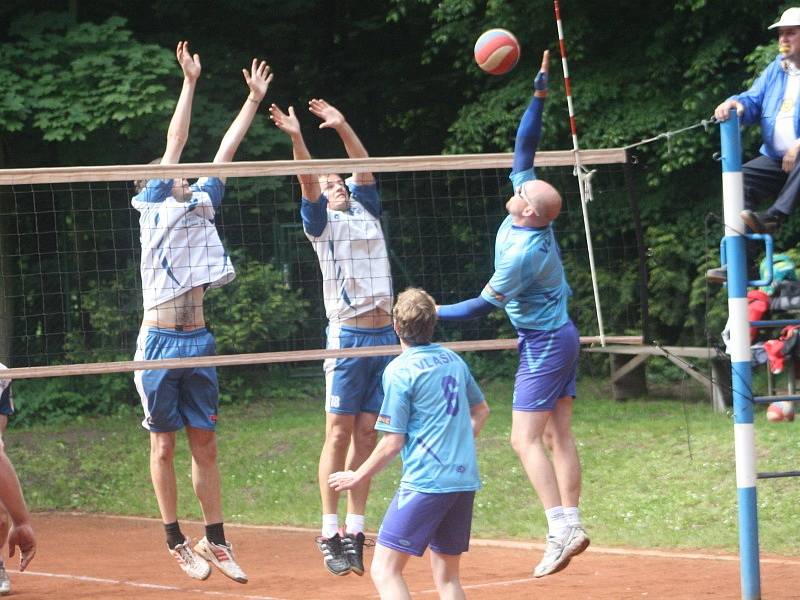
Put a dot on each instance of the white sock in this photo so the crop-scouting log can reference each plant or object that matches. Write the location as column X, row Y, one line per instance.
column 330, row 525
column 556, row 521
column 573, row 516
column 354, row 523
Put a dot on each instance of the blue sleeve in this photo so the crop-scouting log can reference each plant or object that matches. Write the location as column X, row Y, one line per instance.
column 367, row 196
column 212, row 186
column 529, row 133
column 753, row 99
column 314, row 215
column 156, row 190
column 466, row 310
column 396, row 407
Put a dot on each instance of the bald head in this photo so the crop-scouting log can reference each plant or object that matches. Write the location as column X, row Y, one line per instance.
column 544, row 200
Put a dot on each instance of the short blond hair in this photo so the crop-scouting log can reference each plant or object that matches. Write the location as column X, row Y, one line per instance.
column 415, row 316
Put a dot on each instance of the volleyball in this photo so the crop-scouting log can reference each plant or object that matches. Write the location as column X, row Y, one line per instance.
column 780, row 411
column 497, row 51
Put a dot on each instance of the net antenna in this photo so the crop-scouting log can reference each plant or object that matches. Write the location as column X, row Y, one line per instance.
column 583, row 186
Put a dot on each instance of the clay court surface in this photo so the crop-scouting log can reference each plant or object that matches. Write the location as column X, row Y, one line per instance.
column 98, row 557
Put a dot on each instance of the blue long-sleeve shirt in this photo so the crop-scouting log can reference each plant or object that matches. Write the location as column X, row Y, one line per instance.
column 762, row 103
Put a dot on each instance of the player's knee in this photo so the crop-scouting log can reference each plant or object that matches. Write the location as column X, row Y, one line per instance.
column 379, row 572
column 162, row 449
column 205, row 452
column 338, row 437
column 365, row 440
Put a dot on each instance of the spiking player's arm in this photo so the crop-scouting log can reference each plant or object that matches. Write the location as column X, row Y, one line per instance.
column 529, row 131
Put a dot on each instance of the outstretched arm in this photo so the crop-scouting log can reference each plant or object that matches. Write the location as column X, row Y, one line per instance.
column 258, row 80
column 290, row 125
column 390, row 446
column 178, row 132
column 530, row 126
column 331, row 117
column 21, row 533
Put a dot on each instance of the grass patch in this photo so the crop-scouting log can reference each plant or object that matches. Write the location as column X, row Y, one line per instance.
column 657, row 472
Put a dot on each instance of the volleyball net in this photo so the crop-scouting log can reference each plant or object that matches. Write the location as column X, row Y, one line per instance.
column 70, row 290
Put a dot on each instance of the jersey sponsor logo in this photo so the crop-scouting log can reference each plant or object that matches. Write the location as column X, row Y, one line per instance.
column 385, row 419
column 494, row 294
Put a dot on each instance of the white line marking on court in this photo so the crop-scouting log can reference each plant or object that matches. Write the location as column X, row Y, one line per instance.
column 135, row 584
column 512, row 544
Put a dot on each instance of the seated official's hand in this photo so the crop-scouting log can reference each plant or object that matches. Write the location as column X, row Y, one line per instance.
column 342, row 480
column 790, row 158
column 722, row 112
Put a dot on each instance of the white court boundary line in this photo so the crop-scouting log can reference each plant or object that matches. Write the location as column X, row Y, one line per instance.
column 509, row 544
column 149, row 586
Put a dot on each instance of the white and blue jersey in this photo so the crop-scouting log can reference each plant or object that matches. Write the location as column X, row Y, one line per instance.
column 428, row 392
column 528, row 279
column 356, row 275
column 181, row 248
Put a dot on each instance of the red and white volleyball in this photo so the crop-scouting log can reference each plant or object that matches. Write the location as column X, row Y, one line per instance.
column 780, row 411
column 497, row 51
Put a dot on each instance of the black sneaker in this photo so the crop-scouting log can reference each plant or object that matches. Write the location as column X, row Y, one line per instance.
column 761, row 222
column 353, row 545
column 335, row 559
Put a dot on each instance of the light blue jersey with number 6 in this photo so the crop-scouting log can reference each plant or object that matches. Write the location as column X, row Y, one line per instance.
column 428, row 392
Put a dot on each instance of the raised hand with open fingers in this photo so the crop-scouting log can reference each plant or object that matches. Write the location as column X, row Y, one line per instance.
column 288, row 123
column 331, row 117
column 190, row 64
column 258, row 79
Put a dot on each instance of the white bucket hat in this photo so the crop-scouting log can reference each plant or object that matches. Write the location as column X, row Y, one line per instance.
column 789, row 18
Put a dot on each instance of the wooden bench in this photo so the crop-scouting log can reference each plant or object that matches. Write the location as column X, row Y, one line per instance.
column 628, row 370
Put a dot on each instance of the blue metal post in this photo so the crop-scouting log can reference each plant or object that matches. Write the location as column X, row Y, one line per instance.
column 744, row 437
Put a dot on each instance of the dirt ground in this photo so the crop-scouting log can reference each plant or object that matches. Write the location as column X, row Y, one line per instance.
column 102, row 557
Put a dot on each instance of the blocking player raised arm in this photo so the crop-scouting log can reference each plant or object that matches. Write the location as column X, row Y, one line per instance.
column 178, row 132
column 258, row 79
column 290, row 125
column 333, row 118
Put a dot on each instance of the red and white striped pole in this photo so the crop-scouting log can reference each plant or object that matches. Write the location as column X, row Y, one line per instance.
column 579, row 171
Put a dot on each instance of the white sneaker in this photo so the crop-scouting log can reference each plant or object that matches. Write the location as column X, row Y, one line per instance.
column 577, row 541
column 555, row 558
column 193, row 565
column 222, row 558
column 5, row 582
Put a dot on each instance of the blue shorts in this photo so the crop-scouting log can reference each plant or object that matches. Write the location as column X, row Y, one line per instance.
column 6, row 400
column 415, row 520
column 174, row 398
column 548, row 367
column 353, row 385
